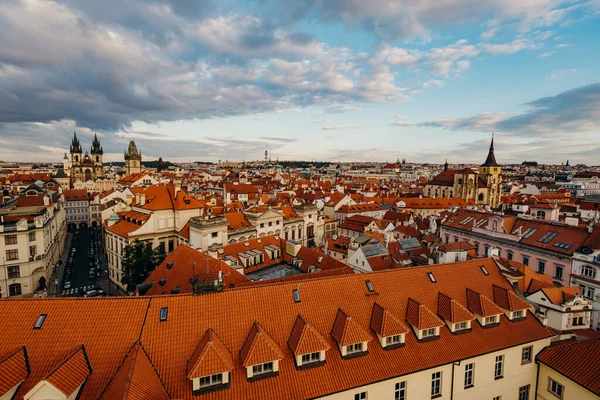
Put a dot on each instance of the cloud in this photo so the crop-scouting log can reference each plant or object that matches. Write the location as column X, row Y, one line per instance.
column 336, row 127
column 278, row 139
column 340, row 108
column 576, row 110
column 511, row 47
column 559, row 74
column 546, row 54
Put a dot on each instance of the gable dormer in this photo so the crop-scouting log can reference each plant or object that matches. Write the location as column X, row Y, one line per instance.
column 65, row 380
column 211, row 364
column 425, row 324
column 260, row 354
column 485, row 310
column 307, row 345
column 457, row 317
column 352, row 339
column 514, row 307
column 14, row 369
column 390, row 331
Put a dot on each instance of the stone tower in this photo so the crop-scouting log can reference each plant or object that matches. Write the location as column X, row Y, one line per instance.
column 97, row 153
column 490, row 171
column 133, row 159
column 76, row 158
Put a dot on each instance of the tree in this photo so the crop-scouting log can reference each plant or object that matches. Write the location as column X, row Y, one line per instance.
column 139, row 260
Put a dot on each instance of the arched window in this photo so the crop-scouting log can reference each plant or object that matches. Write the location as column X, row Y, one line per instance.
column 14, row 289
column 460, row 181
column 480, row 197
column 540, row 214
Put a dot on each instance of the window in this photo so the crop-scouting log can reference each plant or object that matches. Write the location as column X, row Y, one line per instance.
column 555, row 388
column 40, row 321
column 589, row 292
column 31, row 236
column 428, row 333
column 541, row 267
column 524, row 392
column 392, row 340
column 577, row 321
column 164, row 312
column 558, row 272
column 14, row 272
column 588, row 271
column 211, row 380
column 12, row 255
column 360, row 396
column 509, row 255
column 436, row 384
column 311, row 357
column 354, row 348
column 262, row 368
column 447, row 239
column 486, row 250
column 490, row 320
column 499, row 367
column 497, row 398
column 525, row 260
column 14, row 289
column 526, row 355
column 214, row 234
column 518, row 314
column 262, row 225
column 431, row 277
column 461, row 326
column 400, row 393
column 171, row 245
column 32, row 251
column 10, row 239
column 469, row 370
column 270, row 223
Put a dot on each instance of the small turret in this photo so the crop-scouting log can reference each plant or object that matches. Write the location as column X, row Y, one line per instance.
column 490, row 161
column 96, row 147
column 75, row 146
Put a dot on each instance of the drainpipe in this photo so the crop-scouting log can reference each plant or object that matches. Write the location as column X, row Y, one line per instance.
column 452, row 380
column 537, row 379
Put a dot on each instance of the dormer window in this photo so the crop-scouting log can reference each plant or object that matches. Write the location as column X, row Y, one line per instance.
column 311, row 357
column 212, row 380
column 461, row 326
column 492, row 319
column 392, row 340
column 354, row 348
column 265, row 368
column 430, row 332
column 518, row 314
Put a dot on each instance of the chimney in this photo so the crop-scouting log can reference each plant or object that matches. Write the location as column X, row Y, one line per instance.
column 142, row 199
column 177, row 187
column 46, row 200
column 137, row 198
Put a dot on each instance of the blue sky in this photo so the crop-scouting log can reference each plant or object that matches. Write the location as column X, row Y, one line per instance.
column 344, row 80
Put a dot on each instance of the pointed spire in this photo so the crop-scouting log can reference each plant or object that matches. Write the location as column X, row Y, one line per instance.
column 446, row 165
column 490, row 161
column 75, row 147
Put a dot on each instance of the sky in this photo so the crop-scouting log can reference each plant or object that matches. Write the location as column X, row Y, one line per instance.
column 328, row 80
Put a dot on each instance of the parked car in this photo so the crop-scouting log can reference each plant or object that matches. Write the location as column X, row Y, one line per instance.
column 67, row 285
column 94, row 293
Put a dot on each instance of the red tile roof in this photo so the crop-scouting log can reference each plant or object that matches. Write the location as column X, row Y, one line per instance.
column 421, row 317
column 578, row 361
column 14, row 369
column 259, row 347
column 452, row 311
column 384, row 323
column 305, row 339
column 135, row 378
column 71, row 372
column 210, row 357
column 508, row 300
column 75, row 195
column 346, row 331
column 480, row 304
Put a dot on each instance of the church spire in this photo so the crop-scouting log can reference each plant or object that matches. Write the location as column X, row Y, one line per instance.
column 446, row 165
column 75, row 146
column 491, row 158
column 96, row 147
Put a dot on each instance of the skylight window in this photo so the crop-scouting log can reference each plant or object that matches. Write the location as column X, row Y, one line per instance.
column 529, row 232
column 466, row 221
column 296, row 294
column 164, row 312
column 40, row 321
column 547, row 238
column 170, row 264
column 484, row 270
column 562, row 245
column 431, row 277
column 369, row 285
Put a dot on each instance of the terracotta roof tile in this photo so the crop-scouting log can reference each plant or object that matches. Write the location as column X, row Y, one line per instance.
column 347, row 331
column 14, row 369
column 578, row 361
column 452, row 311
column 481, row 305
column 210, row 357
column 259, row 347
column 135, row 378
column 508, row 300
column 71, row 372
column 421, row 317
column 384, row 323
column 305, row 339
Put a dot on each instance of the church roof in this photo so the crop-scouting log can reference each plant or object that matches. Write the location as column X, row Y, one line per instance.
column 490, row 161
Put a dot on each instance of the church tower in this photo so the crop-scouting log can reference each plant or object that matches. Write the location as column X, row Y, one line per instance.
column 490, row 171
column 76, row 158
column 133, row 159
column 97, row 153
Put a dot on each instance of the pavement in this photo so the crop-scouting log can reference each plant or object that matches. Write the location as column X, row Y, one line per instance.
column 81, row 281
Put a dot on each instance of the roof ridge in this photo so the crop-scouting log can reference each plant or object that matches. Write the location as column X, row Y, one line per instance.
column 154, row 368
